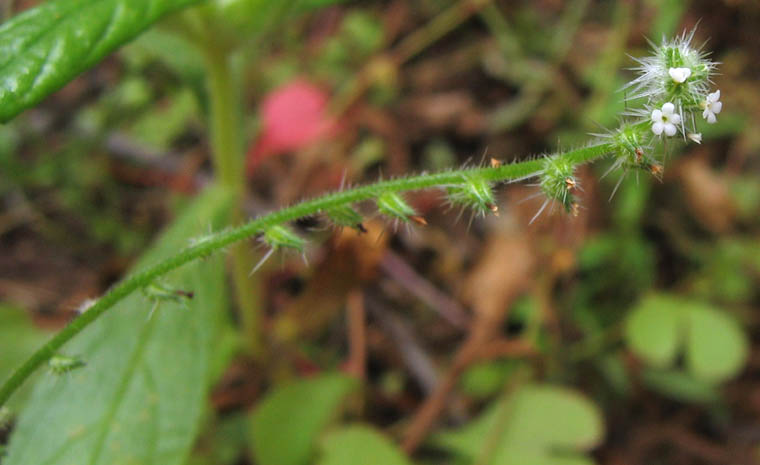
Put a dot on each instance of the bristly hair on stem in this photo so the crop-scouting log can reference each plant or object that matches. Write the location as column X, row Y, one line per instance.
column 674, row 83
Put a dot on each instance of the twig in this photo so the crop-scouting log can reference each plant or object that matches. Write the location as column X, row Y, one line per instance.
column 403, row 274
column 417, row 361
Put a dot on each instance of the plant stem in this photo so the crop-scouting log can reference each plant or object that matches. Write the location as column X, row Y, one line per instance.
column 220, row 240
column 228, row 158
column 225, row 124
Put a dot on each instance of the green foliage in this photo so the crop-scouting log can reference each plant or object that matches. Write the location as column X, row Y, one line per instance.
column 224, row 442
column 141, row 395
column 360, row 35
column 669, row 14
column 159, row 127
column 662, row 326
column 236, row 22
column 138, row 393
column 729, row 271
column 286, row 424
column 45, row 47
column 359, row 444
column 20, row 337
column 537, row 424
column 623, row 263
column 485, row 379
column 680, row 385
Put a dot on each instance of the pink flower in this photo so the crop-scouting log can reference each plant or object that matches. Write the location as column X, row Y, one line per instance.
column 293, row 116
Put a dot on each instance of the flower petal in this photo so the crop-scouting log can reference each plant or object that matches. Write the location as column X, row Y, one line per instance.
column 711, row 118
column 668, row 109
column 657, row 116
column 658, row 127
column 670, row 129
column 675, row 118
column 679, row 75
column 716, row 107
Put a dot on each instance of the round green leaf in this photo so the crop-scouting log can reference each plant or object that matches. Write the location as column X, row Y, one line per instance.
column 360, row 444
column 680, row 386
column 717, row 347
column 652, row 330
column 287, row 422
column 661, row 326
column 538, row 424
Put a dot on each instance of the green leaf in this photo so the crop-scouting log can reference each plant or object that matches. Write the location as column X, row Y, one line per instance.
column 360, row 444
column 652, row 330
column 160, row 126
column 680, row 386
column 224, row 441
column 286, row 424
column 538, row 424
column 20, row 339
column 717, row 347
column 661, row 326
column 143, row 391
column 43, row 48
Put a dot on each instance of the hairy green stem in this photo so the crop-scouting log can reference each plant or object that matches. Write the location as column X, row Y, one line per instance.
column 220, row 240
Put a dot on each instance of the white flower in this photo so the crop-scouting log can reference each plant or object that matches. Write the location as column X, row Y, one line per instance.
column 712, row 106
column 695, row 137
column 679, row 75
column 665, row 120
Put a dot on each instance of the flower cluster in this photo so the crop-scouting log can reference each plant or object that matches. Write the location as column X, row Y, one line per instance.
column 675, row 82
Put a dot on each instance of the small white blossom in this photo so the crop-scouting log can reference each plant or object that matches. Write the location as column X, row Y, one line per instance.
column 712, row 106
column 679, row 75
column 695, row 137
column 672, row 62
column 665, row 120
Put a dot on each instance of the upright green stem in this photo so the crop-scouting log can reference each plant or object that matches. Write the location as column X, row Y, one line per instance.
column 225, row 125
column 229, row 163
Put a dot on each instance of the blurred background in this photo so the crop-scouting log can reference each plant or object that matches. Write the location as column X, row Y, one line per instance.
column 438, row 321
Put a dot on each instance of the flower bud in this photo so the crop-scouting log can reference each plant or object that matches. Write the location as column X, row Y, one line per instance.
column 630, row 149
column 475, row 193
column 60, row 364
column 345, row 216
column 159, row 292
column 281, row 237
column 558, row 181
column 394, row 206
